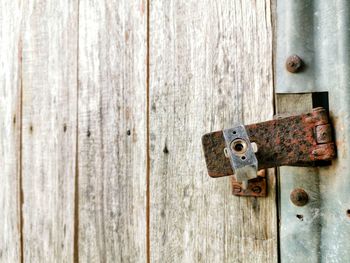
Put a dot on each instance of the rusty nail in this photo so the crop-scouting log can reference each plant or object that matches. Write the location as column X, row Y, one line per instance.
column 299, row 197
column 293, row 63
column 256, row 189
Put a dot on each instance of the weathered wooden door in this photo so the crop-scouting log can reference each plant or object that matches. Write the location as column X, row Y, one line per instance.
column 102, row 107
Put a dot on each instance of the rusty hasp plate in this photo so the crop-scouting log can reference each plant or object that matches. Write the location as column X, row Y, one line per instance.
column 300, row 140
column 256, row 187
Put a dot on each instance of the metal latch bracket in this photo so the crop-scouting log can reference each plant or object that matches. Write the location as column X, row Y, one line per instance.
column 302, row 140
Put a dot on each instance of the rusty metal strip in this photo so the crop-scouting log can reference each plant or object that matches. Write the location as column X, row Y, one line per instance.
column 302, row 140
column 295, row 141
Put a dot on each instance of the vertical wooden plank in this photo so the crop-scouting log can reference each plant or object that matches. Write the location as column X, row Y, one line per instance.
column 211, row 66
column 112, row 131
column 10, row 105
column 49, row 129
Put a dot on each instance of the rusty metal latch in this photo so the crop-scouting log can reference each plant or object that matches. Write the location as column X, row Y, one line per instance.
column 302, row 140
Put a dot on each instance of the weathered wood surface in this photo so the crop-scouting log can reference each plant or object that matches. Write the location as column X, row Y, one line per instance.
column 49, row 113
column 112, row 131
column 211, row 66
column 10, row 116
column 76, row 122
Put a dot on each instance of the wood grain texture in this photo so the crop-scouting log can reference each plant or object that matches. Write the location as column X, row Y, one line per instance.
column 74, row 130
column 211, row 66
column 10, row 102
column 112, row 131
column 49, row 129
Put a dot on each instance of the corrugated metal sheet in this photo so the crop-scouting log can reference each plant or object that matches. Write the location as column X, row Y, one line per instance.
column 319, row 32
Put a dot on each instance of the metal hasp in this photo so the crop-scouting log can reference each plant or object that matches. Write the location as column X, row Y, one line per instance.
column 301, row 140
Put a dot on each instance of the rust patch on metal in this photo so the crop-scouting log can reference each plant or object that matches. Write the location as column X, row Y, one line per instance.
column 292, row 140
column 217, row 163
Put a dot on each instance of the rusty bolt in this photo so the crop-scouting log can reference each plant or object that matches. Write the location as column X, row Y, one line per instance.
column 256, row 189
column 294, row 63
column 299, row 197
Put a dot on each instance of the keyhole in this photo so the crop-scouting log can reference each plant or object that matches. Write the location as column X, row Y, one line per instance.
column 239, row 147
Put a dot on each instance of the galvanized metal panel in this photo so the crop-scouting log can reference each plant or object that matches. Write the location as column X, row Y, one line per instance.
column 295, row 36
column 319, row 32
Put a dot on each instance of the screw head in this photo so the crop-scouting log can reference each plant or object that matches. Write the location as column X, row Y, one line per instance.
column 293, row 64
column 299, row 197
column 256, row 189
